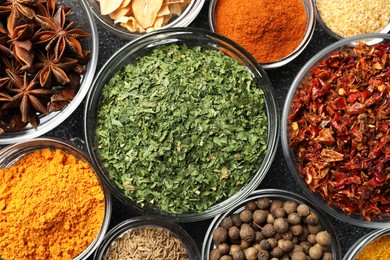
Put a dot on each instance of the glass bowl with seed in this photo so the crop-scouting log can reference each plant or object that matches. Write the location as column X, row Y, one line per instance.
column 371, row 246
column 45, row 75
column 66, row 207
column 272, row 223
column 274, row 33
column 131, row 19
column 174, row 149
column 334, row 126
column 147, row 237
column 350, row 18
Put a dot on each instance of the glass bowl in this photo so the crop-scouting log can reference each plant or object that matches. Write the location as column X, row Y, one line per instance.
column 191, row 37
column 187, row 16
column 356, row 248
column 13, row 153
column 83, row 19
column 147, row 222
column 272, row 194
column 345, row 92
column 337, row 36
column 309, row 30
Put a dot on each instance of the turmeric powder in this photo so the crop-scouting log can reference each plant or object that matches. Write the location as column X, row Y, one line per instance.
column 376, row 250
column 51, row 206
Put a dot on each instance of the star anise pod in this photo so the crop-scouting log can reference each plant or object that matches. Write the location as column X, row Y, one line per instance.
column 57, row 31
column 27, row 96
column 23, row 7
column 19, row 40
column 14, row 66
column 48, row 67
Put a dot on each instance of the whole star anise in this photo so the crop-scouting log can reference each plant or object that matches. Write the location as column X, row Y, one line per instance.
column 14, row 66
column 57, row 31
column 27, row 95
column 23, row 7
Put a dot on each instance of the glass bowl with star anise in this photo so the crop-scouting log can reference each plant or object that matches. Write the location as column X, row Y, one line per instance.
column 48, row 56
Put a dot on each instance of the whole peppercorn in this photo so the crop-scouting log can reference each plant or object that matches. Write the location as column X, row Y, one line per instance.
column 297, row 230
column 260, row 216
column 220, row 235
column 234, row 233
column 277, row 252
column 294, row 218
column 215, row 254
column 312, row 219
column 268, row 230
column 323, row 238
column 290, row 206
column 227, row 223
column 303, row 210
column 246, row 215
column 298, row 255
column 251, row 253
column 251, row 205
column 281, row 225
column 315, row 252
column 236, row 219
column 263, row 203
column 247, row 233
column 223, row 248
column 239, row 255
column 263, row 255
column 314, row 229
column 279, row 213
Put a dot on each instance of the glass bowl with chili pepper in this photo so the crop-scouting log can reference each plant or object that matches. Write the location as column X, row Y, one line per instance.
column 181, row 123
column 373, row 245
column 52, row 195
column 46, row 65
column 272, row 223
column 274, row 32
column 131, row 19
column 159, row 238
column 335, row 129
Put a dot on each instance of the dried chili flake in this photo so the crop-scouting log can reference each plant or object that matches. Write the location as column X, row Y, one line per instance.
column 339, row 130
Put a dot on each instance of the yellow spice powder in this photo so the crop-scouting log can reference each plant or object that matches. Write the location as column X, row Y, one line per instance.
column 51, row 207
column 379, row 249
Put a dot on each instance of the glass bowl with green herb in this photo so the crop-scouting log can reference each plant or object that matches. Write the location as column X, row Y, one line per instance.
column 181, row 123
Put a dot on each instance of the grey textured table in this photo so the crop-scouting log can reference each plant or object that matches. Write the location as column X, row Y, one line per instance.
column 277, row 177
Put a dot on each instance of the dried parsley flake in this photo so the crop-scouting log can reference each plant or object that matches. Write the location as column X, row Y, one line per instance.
column 181, row 128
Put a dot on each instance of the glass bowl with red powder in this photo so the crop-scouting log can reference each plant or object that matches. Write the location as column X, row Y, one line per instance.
column 273, row 32
column 335, row 130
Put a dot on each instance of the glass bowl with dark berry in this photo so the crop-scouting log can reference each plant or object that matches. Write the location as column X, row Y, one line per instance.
column 335, row 130
column 48, row 56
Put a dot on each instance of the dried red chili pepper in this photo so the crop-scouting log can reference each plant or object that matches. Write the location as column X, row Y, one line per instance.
column 339, row 129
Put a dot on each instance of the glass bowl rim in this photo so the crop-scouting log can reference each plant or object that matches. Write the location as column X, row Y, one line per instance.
column 148, row 221
column 288, row 154
column 310, row 27
column 189, row 14
column 26, row 147
column 58, row 117
column 278, row 193
column 270, row 103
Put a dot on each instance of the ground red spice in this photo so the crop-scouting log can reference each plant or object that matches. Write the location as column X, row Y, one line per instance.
column 268, row 29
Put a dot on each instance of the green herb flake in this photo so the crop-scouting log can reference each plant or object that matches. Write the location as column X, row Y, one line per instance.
column 181, row 128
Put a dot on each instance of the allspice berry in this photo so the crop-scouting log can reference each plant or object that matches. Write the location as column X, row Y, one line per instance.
column 220, row 235
column 227, row 223
column 281, row 225
column 315, row 252
column 263, row 255
column 251, row 205
column 277, row 252
column 312, row 219
column 323, row 238
column 223, row 248
column 247, row 233
column 239, row 255
column 290, row 206
column 268, row 230
column 215, row 254
column 226, row 257
column 251, row 253
column 327, row 256
column 298, row 255
column 234, row 233
column 303, row 210
column 236, row 219
column 276, row 204
column 246, row 215
column 260, row 216
column 286, row 245
column 297, row 230
column 294, row 218
column 279, row 213
column 263, row 203
column 314, row 229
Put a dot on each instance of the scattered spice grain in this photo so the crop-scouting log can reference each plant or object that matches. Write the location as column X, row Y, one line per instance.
column 269, row 30
column 353, row 17
column 51, row 206
column 376, row 250
column 147, row 243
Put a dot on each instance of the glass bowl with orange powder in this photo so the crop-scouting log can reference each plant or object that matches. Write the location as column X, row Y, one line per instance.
column 372, row 246
column 52, row 203
column 273, row 32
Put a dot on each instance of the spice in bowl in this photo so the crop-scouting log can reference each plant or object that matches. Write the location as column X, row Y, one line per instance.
column 142, row 16
column 338, row 128
column 268, row 30
column 147, row 243
column 353, row 17
column 51, row 206
column 41, row 61
column 181, row 128
column 376, row 250
column 271, row 228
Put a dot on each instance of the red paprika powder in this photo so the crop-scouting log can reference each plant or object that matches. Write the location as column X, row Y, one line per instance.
column 268, row 29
